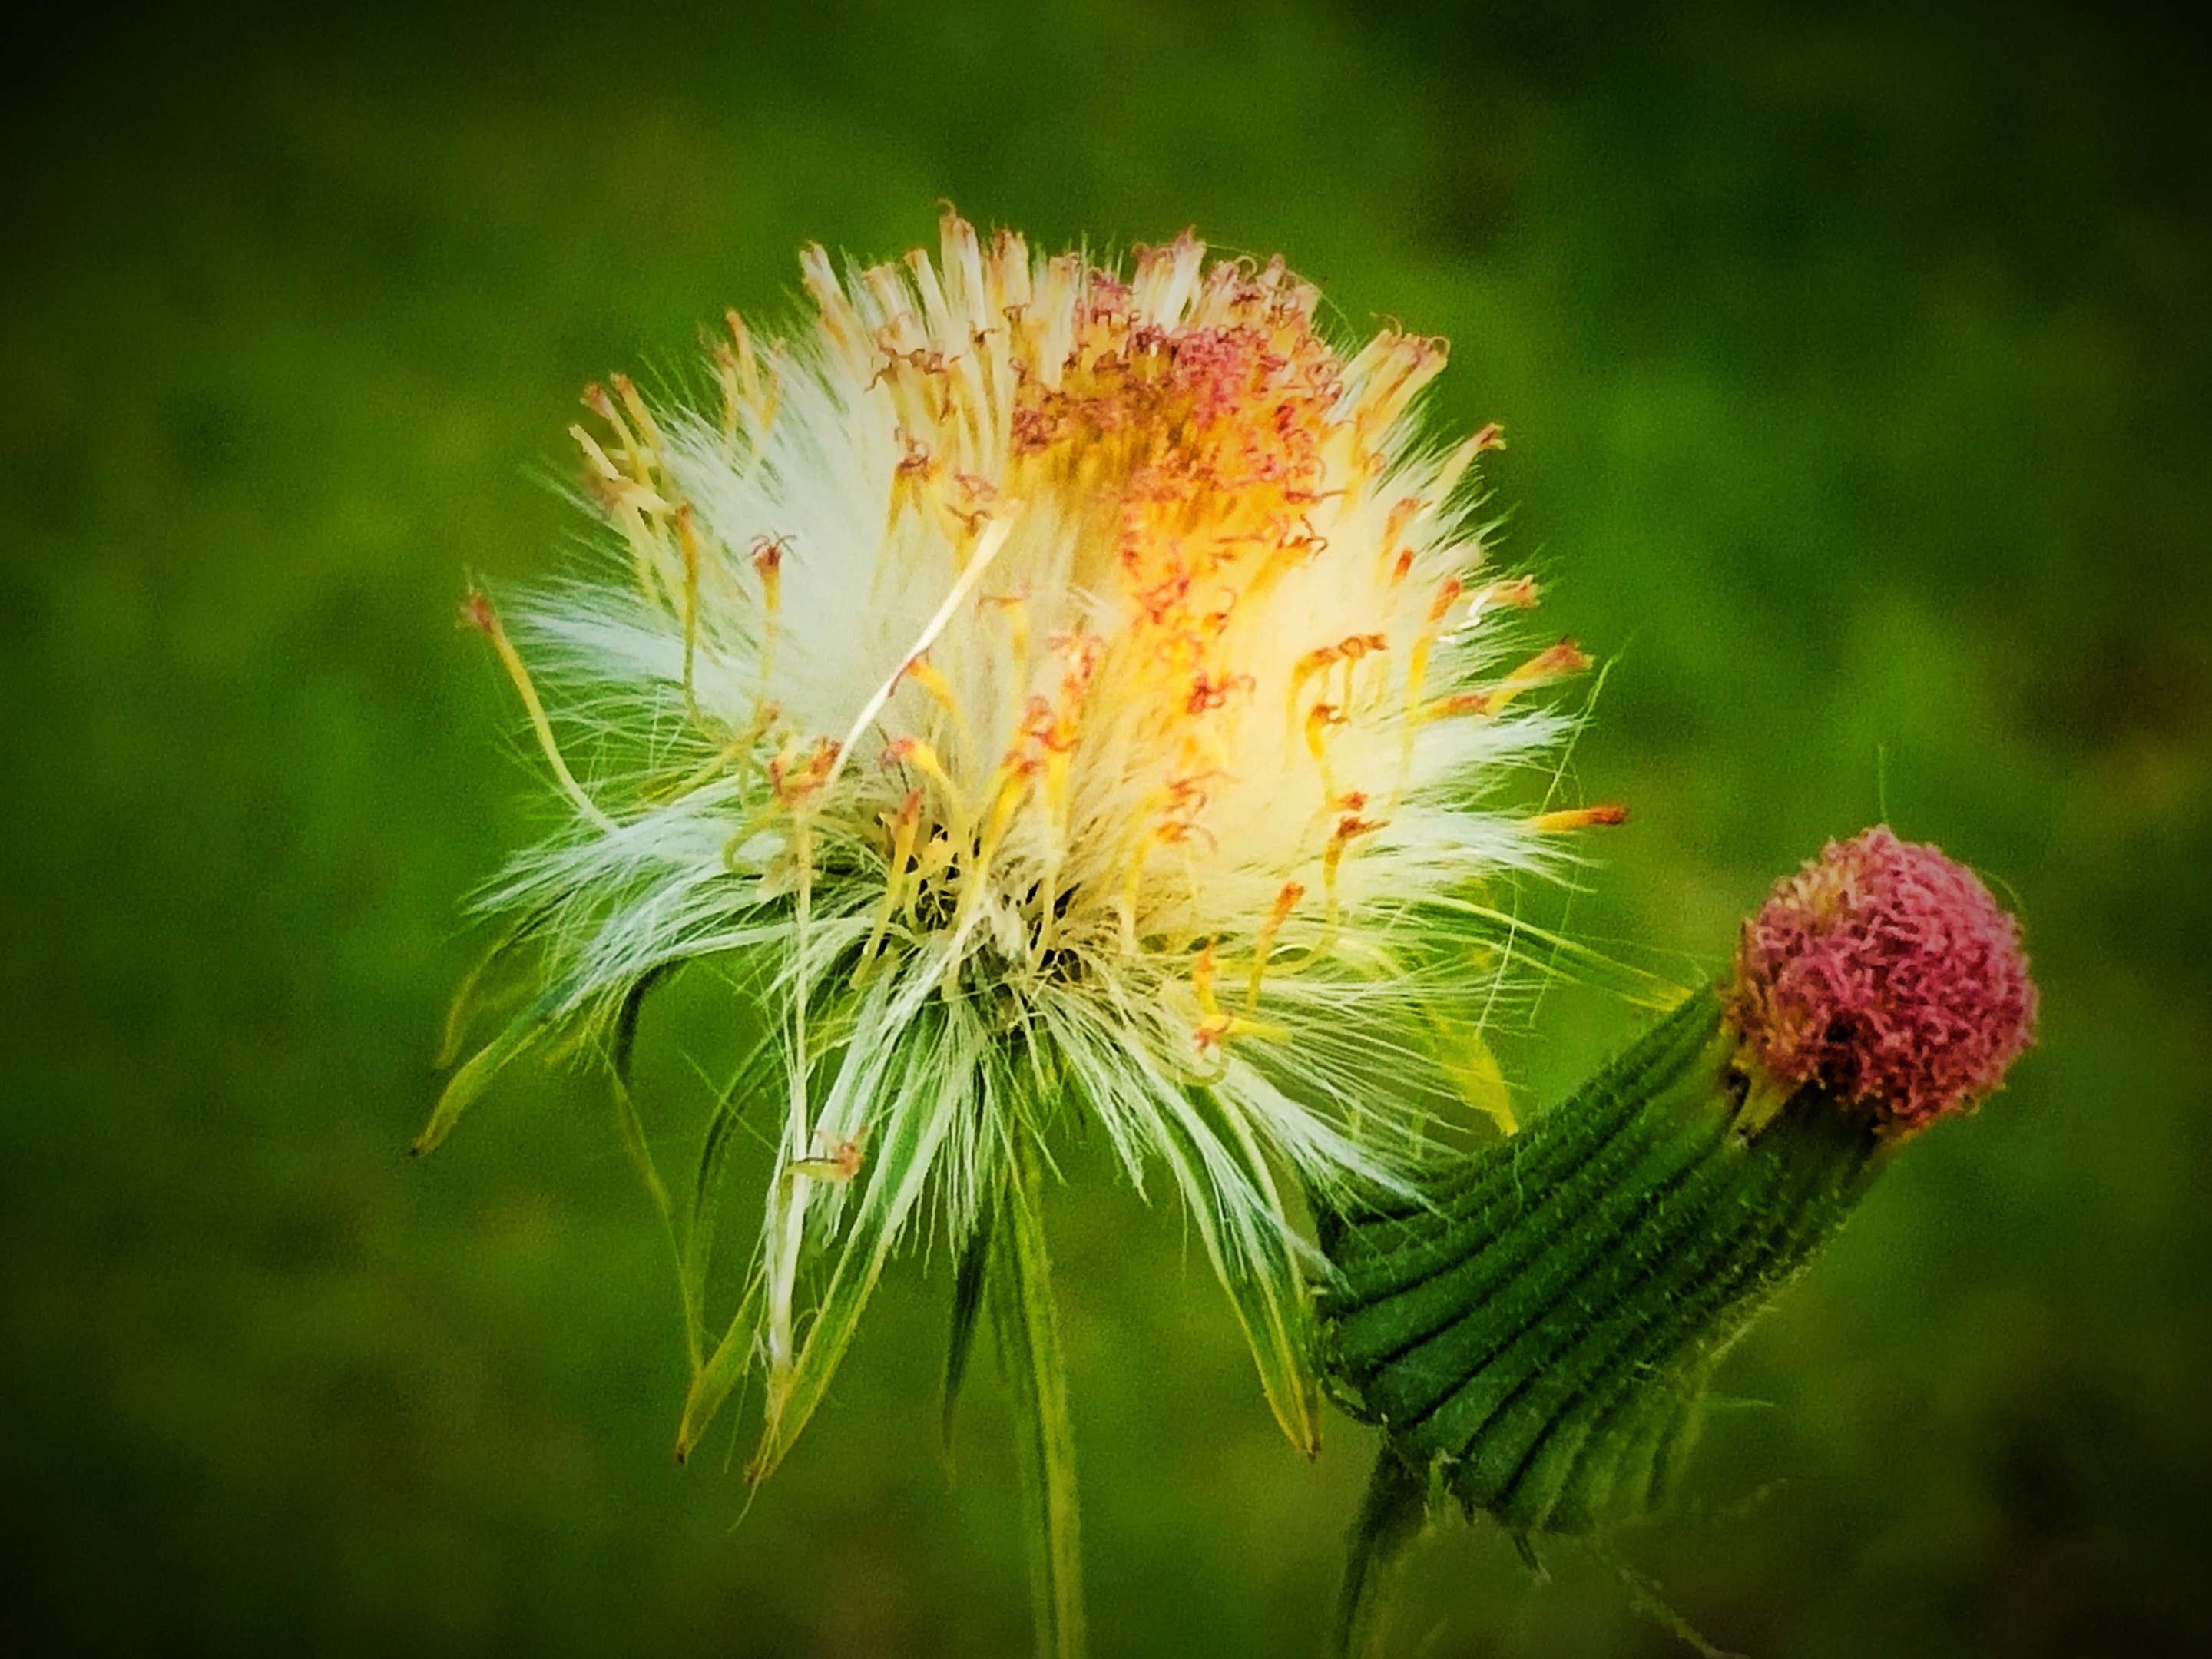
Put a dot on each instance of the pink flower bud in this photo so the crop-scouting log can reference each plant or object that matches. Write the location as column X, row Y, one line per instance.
column 1885, row 973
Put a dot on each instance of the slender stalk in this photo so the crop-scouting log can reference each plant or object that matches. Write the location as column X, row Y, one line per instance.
column 1391, row 1518
column 1036, row 1374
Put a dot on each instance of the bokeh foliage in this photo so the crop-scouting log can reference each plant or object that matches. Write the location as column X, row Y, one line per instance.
column 1859, row 372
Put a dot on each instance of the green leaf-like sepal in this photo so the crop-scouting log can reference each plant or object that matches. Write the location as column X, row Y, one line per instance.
column 1541, row 1328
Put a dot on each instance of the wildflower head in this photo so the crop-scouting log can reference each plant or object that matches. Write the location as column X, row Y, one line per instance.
column 1064, row 689
column 1543, row 1326
column 1885, row 973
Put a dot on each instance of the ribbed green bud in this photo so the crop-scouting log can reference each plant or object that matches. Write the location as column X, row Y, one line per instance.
column 1539, row 1330
column 1535, row 1331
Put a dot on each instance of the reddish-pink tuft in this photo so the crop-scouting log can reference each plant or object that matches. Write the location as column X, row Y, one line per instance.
column 1886, row 973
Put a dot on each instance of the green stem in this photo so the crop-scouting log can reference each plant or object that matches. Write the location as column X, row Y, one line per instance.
column 1391, row 1517
column 1036, row 1373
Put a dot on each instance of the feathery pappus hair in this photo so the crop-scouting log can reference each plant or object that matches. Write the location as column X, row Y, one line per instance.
column 1059, row 694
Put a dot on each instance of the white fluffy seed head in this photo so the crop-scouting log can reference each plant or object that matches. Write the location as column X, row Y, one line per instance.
column 1066, row 686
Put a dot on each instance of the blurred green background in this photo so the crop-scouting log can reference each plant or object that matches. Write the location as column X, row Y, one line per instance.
column 1858, row 371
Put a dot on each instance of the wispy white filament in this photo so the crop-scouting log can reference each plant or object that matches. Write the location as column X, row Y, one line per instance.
column 1193, row 712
